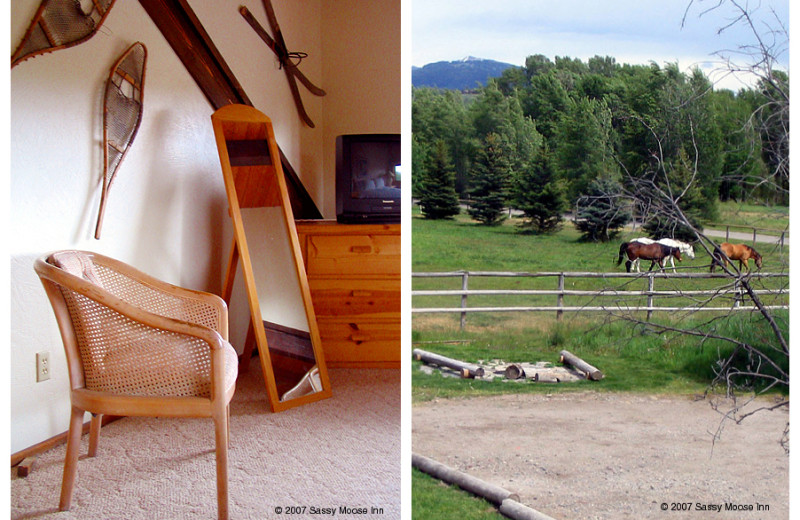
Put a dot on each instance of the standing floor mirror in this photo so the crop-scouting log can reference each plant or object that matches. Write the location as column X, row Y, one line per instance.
column 282, row 316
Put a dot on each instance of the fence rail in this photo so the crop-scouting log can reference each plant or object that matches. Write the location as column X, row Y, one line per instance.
column 779, row 236
column 560, row 292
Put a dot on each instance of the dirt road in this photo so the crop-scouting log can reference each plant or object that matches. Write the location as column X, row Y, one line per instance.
column 613, row 456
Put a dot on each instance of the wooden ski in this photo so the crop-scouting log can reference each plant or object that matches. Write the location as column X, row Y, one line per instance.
column 278, row 46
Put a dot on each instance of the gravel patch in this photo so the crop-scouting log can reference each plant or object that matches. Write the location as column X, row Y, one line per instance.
column 613, row 456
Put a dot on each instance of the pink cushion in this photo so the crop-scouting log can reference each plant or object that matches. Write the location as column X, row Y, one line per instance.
column 78, row 264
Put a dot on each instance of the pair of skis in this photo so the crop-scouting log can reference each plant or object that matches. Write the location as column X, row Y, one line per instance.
column 278, row 46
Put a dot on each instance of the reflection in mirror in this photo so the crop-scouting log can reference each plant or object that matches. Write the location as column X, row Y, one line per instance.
column 282, row 316
column 281, row 303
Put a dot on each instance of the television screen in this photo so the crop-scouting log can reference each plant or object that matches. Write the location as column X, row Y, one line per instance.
column 375, row 170
column 368, row 177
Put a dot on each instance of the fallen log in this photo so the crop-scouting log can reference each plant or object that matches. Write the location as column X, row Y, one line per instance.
column 590, row 371
column 466, row 370
column 514, row 371
column 490, row 492
column 545, row 378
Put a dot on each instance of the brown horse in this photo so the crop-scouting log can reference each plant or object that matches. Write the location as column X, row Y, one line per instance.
column 654, row 252
column 741, row 252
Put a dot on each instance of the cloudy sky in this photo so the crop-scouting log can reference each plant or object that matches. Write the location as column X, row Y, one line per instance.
column 632, row 31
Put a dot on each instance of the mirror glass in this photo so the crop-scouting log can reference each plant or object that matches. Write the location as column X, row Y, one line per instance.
column 280, row 300
column 266, row 244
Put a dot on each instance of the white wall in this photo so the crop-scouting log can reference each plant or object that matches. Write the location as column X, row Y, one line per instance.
column 167, row 208
column 167, row 212
column 363, row 80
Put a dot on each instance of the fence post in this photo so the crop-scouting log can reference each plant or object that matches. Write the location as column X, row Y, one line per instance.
column 737, row 294
column 464, row 286
column 727, row 233
column 754, row 237
column 783, row 235
column 560, row 302
column 650, row 280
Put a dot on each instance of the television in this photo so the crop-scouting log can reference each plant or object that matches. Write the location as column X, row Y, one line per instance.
column 368, row 178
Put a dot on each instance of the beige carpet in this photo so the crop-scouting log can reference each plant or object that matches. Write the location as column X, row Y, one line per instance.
column 339, row 452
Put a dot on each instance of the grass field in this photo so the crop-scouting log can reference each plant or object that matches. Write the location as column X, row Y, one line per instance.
column 633, row 357
column 436, row 500
column 461, row 244
column 750, row 215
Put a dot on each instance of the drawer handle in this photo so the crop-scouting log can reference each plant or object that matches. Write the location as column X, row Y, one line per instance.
column 359, row 338
column 361, row 249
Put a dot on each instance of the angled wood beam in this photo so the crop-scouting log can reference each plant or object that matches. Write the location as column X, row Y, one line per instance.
column 194, row 47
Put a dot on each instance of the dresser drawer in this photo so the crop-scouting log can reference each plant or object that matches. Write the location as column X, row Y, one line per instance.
column 354, row 297
column 353, row 255
column 355, row 342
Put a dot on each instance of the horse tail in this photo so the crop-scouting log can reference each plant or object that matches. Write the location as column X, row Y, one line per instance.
column 715, row 258
column 622, row 249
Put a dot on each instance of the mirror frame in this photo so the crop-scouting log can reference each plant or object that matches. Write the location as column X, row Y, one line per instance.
column 245, row 123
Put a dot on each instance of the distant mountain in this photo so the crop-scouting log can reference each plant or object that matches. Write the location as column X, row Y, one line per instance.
column 464, row 74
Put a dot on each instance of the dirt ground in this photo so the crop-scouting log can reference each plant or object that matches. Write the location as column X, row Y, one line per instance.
column 613, row 456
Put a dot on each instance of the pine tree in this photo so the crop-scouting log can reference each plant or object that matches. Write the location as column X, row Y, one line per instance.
column 438, row 198
column 539, row 194
column 601, row 212
column 489, row 182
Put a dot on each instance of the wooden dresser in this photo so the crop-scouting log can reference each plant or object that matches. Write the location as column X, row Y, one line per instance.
column 354, row 276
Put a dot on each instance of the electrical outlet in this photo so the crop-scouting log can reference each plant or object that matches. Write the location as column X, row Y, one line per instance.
column 42, row 366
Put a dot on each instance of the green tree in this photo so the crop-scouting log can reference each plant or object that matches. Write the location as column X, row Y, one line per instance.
column 539, row 194
column 420, row 152
column 743, row 169
column 545, row 101
column 682, row 193
column 584, row 151
column 773, row 120
column 489, row 182
column 442, row 114
column 602, row 211
column 437, row 197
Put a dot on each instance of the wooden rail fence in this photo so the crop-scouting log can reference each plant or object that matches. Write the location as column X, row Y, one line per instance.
column 778, row 235
column 560, row 292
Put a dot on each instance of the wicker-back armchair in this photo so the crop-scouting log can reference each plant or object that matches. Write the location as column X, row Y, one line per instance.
column 137, row 346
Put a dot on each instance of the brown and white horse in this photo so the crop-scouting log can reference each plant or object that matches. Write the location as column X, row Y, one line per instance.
column 741, row 252
column 654, row 252
column 686, row 250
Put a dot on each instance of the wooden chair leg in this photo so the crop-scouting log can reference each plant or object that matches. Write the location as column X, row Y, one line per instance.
column 221, row 434
column 94, row 433
column 71, row 460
